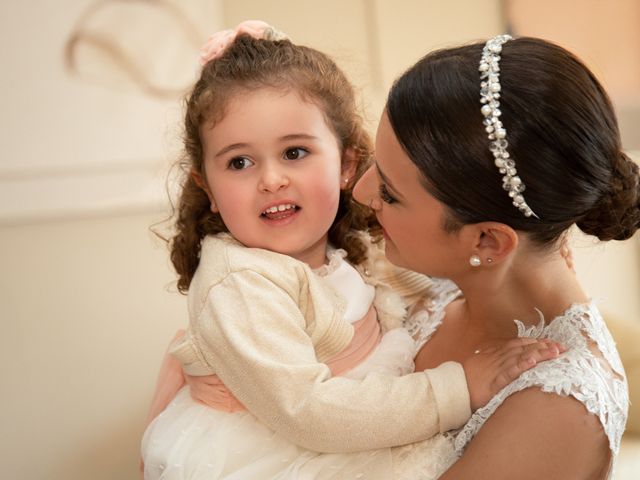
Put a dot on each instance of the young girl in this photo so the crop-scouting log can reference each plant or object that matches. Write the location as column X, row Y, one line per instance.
column 268, row 243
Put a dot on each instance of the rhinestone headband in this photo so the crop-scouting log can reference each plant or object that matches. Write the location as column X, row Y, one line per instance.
column 489, row 97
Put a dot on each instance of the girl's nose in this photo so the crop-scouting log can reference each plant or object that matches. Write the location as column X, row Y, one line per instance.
column 365, row 190
column 273, row 179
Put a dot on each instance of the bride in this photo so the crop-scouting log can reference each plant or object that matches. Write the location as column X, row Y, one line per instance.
column 464, row 131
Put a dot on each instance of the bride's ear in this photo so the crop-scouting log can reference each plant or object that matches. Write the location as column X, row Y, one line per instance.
column 492, row 242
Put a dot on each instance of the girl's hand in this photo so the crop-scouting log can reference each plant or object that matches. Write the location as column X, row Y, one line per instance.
column 201, row 387
column 489, row 371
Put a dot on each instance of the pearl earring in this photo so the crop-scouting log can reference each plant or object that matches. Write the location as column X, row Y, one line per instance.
column 475, row 261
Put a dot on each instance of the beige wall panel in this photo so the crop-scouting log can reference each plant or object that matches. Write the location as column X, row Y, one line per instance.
column 85, row 318
column 374, row 40
column 604, row 34
column 610, row 273
column 408, row 29
column 337, row 27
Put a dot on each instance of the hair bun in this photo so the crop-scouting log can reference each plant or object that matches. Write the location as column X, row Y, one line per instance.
column 617, row 215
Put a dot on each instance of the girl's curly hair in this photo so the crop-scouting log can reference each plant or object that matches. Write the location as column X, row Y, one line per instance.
column 246, row 65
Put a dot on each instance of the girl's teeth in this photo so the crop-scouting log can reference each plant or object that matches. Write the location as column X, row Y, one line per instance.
column 279, row 208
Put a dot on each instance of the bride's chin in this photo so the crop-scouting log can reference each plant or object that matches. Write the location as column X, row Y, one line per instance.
column 392, row 255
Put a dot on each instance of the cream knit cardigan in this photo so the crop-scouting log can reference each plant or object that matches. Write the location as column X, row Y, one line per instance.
column 265, row 323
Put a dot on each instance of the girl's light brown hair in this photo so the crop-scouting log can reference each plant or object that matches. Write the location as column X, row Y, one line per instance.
column 250, row 64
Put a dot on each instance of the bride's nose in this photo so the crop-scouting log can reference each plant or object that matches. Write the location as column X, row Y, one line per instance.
column 366, row 190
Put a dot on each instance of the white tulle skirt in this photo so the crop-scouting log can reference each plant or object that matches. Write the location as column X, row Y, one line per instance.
column 191, row 441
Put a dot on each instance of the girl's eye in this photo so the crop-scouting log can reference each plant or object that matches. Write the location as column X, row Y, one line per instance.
column 239, row 163
column 295, row 153
column 385, row 196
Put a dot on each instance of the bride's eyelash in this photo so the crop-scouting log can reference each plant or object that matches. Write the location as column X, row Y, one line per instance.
column 385, row 196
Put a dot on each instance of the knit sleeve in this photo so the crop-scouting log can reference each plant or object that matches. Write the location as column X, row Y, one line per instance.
column 252, row 334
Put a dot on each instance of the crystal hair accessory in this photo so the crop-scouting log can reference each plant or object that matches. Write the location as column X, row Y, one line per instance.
column 490, row 99
column 219, row 41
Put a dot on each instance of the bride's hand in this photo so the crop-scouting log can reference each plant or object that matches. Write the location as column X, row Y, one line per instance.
column 489, row 371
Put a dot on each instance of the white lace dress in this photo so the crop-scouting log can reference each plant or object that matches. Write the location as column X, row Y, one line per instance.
column 590, row 370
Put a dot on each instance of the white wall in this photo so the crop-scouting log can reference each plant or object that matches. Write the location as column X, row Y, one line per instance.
column 86, row 306
column 85, row 316
column 90, row 140
column 610, row 273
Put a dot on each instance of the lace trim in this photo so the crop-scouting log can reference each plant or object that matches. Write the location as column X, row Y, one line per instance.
column 428, row 459
column 335, row 257
column 579, row 372
column 598, row 382
column 422, row 324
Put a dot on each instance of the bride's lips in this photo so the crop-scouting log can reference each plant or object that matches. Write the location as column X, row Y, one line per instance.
column 384, row 232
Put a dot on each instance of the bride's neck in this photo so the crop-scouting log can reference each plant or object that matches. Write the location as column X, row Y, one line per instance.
column 501, row 293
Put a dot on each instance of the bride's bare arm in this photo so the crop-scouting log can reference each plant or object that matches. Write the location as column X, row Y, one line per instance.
column 535, row 435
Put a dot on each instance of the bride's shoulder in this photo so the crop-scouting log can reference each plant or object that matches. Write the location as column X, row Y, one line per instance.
column 516, row 429
column 587, row 380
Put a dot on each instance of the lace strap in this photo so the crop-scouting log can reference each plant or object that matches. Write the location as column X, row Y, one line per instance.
column 425, row 321
column 590, row 371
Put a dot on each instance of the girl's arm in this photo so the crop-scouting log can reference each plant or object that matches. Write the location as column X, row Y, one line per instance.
column 253, row 335
column 535, row 435
column 170, row 380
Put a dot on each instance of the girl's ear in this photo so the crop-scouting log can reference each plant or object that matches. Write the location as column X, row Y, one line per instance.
column 201, row 182
column 349, row 167
column 491, row 242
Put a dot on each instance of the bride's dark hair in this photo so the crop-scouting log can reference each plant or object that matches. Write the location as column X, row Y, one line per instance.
column 562, row 134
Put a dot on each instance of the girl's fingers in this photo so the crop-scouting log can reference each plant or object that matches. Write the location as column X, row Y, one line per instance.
column 517, row 356
column 525, row 356
column 507, row 347
column 512, row 371
column 532, row 345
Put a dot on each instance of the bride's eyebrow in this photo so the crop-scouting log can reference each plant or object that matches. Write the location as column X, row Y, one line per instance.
column 387, row 182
